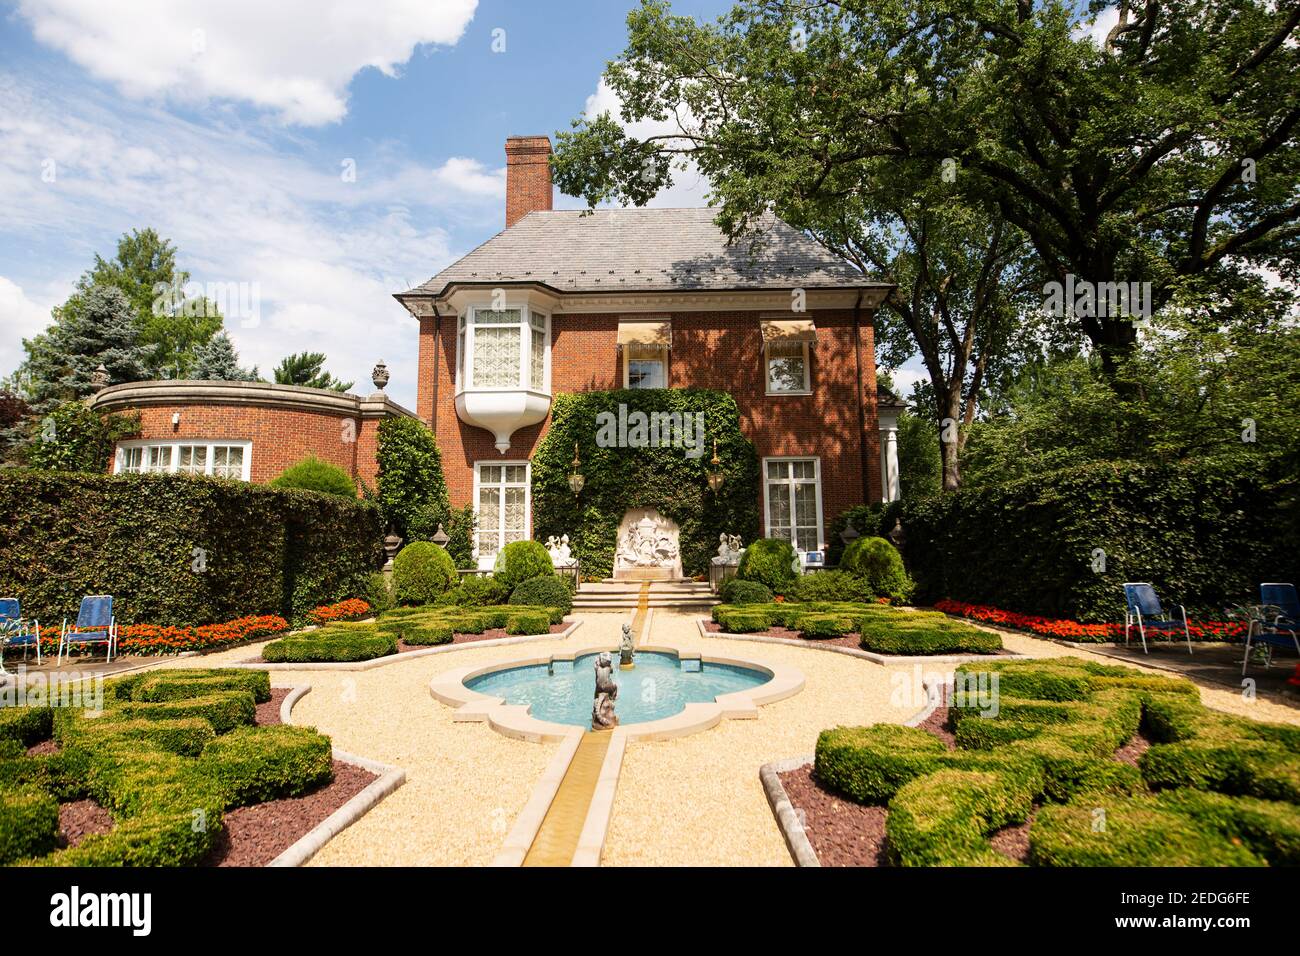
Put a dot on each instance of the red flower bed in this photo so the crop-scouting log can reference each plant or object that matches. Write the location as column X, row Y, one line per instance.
column 161, row 639
column 1082, row 633
column 342, row 611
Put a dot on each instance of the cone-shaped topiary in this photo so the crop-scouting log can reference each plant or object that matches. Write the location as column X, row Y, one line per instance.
column 769, row 561
column 422, row 571
column 519, row 561
column 880, row 566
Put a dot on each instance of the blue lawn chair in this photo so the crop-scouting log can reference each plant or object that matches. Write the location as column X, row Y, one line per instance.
column 1142, row 607
column 95, row 625
column 1278, row 623
column 15, row 632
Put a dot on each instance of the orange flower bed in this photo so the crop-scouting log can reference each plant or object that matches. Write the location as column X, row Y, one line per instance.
column 1082, row 633
column 342, row 611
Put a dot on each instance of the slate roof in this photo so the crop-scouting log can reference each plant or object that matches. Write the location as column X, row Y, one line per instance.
column 646, row 250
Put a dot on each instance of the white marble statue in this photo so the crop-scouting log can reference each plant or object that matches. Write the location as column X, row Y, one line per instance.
column 646, row 545
column 729, row 548
column 559, row 550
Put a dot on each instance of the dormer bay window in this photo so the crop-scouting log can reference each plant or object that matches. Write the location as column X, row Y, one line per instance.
column 503, row 369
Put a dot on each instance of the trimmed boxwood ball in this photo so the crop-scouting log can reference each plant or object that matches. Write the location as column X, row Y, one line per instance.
column 770, row 562
column 421, row 572
column 546, row 591
column 736, row 591
column 313, row 474
column 879, row 566
column 519, row 561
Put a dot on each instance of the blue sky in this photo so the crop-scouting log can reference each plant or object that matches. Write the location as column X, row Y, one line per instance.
column 229, row 126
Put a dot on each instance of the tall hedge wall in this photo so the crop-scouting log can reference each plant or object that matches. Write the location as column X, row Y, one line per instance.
column 1203, row 534
column 663, row 478
column 259, row 550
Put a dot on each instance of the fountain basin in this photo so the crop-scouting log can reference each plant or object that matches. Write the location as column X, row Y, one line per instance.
column 659, row 685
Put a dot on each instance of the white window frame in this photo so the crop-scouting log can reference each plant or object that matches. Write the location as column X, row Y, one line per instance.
column 528, row 502
column 664, row 352
column 767, row 372
column 144, row 444
column 465, row 334
column 793, row 482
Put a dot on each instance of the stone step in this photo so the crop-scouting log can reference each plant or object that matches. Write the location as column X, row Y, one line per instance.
column 631, row 602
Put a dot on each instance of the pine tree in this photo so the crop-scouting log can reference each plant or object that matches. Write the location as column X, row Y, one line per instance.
column 307, row 368
column 217, row 360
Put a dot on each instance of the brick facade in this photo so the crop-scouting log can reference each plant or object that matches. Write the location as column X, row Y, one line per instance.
column 528, row 176
column 721, row 350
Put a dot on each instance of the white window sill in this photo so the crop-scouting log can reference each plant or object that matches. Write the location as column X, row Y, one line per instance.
column 805, row 392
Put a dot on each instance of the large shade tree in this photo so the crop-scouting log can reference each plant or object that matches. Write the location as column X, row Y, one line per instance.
column 1165, row 155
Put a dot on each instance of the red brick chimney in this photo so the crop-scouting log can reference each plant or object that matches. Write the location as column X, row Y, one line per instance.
column 528, row 176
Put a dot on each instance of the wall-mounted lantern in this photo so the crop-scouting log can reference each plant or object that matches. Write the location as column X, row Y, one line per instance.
column 715, row 469
column 576, row 480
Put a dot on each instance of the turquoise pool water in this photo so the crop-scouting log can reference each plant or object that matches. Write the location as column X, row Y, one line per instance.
column 656, row 687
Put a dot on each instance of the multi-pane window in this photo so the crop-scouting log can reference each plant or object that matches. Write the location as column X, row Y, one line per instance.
column 501, row 506
column 793, row 511
column 787, row 367
column 218, row 459
column 647, row 366
column 501, row 348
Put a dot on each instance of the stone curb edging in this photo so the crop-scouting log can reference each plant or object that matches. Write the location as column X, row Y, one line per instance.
column 390, row 778
column 787, row 819
column 883, row 659
column 409, row 655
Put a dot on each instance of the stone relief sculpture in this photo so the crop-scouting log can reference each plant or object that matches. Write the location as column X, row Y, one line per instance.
column 602, row 707
column 646, row 545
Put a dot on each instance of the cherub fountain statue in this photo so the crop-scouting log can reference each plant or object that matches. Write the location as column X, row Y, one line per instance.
column 602, row 708
column 625, row 648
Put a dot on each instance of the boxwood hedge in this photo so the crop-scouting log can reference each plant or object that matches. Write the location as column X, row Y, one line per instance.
column 165, row 769
column 176, row 549
column 1212, row 790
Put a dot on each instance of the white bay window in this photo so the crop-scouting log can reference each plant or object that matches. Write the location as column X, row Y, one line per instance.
column 503, row 368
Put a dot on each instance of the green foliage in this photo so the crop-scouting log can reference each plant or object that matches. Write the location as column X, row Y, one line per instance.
column 1046, row 733
column 217, row 360
column 770, row 562
column 413, row 490
column 377, row 592
column 421, row 571
column 521, row 560
column 738, row 591
column 827, row 586
column 308, row 369
column 438, row 625
column 528, row 622
column 263, row 550
column 817, row 624
column 475, row 590
column 880, row 567
column 663, row 478
column 313, row 474
column 921, row 635
column 166, row 780
column 74, row 438
column 548, row 590
column 332, row 644
column 1031, row 545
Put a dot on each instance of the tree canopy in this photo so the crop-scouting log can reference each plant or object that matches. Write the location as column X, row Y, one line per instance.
column 308, row 369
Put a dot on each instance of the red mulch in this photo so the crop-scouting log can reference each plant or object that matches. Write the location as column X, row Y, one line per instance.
column 1013, row 841
column 42, row 749
column 79, row 819
column 937, row 724
column 256, row 835
column 1134, row 749
column 843, row 833
column 268, row 714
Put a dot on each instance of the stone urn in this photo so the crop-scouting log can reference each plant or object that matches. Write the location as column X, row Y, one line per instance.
column 379, row 375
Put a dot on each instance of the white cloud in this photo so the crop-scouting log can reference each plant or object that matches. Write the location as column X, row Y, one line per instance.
column 324, row 256
column 1099, row 27
column 293, row 57
column 689, row 188
column 20, row 317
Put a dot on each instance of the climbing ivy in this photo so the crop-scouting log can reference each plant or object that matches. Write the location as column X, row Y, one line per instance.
column 660, row 477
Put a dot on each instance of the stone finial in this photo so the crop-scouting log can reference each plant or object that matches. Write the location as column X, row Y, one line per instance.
column 99, row 378
column 379, row 375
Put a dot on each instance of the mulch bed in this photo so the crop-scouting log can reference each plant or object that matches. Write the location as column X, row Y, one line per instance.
column 268, row 714
column 79, row 819
column 256, row 835
column 43, row 749
column 1134, row 749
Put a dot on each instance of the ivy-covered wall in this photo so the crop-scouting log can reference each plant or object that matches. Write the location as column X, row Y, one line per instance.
column 175, row 549
column 663, row 478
